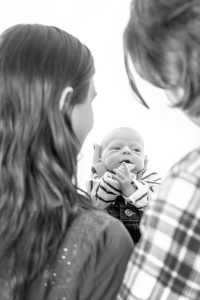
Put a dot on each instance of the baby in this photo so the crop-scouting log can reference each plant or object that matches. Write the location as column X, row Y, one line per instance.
column 121, row 183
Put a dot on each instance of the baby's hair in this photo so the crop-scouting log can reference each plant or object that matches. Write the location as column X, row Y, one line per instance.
column 110, row 134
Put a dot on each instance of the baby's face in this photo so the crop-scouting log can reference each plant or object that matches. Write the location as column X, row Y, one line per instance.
column 123, row 146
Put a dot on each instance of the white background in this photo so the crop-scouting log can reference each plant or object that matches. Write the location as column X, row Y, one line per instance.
column 99, row 24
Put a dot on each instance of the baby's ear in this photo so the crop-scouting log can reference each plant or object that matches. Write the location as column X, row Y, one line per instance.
column 96, row 154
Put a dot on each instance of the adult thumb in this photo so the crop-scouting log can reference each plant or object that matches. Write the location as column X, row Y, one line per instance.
column 97, row 153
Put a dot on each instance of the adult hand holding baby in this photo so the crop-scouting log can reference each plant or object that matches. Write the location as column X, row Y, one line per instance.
column 97, row 153
column 98, row 166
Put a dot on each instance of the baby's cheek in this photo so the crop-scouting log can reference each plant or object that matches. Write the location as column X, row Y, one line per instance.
column 139, row 163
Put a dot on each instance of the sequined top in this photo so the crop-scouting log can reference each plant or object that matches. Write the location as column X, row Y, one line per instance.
column 90, row 263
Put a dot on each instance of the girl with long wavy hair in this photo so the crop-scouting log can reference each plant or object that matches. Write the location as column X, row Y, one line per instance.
column 53, row 243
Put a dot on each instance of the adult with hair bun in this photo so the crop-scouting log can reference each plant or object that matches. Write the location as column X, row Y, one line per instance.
column 54, row 244
column 162, row 41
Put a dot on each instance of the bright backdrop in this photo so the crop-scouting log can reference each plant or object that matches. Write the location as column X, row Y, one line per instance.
column 167, row 133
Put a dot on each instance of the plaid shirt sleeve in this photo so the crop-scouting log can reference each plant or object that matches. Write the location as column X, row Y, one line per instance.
column 165, row 264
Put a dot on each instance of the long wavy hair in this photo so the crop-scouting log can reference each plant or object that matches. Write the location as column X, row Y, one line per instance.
column 163, row 42
column 38, row 148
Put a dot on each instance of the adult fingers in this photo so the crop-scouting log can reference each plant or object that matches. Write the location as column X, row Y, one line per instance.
column 97, row 153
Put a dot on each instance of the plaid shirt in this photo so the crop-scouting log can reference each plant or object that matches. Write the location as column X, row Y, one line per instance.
column 165, row 265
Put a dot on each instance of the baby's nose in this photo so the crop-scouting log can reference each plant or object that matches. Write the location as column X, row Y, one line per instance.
column 126, row 149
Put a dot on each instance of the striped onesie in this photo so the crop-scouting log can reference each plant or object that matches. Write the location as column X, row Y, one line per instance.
column 105, row 193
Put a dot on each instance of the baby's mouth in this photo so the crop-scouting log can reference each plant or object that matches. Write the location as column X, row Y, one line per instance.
column 127, row 161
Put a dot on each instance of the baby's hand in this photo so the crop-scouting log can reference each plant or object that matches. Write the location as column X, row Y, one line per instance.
column 124, row 176
column 131, row 167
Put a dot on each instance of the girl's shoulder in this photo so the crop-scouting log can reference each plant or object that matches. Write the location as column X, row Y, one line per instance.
column 92, row 241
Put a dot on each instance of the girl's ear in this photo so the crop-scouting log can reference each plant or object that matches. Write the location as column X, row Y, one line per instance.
column 65, row 97
column 175, row 95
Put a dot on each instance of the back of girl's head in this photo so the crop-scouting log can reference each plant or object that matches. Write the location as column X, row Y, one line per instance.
column 38, row 148
column 162, row 40
column 36, row 63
